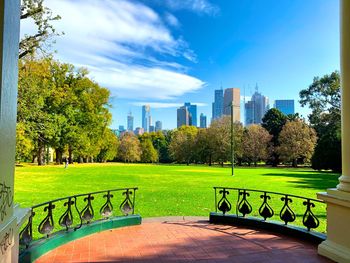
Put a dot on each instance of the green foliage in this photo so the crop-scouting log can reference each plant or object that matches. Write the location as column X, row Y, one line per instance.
column 42, row 19
column 129, row 149
column 149, row 154
column 324, row 99
column 108, row 146
column 24, row 145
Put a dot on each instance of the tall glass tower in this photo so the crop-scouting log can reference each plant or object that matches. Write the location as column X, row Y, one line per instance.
column 146, row 117
column 217, row 106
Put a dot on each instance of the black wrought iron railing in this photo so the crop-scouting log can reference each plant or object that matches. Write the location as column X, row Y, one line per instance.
column 72, row 212
column 288, row 208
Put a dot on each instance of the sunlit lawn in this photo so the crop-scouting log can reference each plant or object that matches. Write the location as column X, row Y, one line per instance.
column 168, row 190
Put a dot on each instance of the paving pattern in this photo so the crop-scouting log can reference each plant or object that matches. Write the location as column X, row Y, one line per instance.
column 184, row 241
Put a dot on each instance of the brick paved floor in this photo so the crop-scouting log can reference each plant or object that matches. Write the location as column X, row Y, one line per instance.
column 184, row 241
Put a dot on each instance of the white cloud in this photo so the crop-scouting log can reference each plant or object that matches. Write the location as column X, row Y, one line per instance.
column 120, row 42
column 162, row 105
column 198, row 6
column 172, row 20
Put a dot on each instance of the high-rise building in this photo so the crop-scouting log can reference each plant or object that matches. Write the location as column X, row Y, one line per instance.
column 146, row 116
column 158, row 126
column 256, row 108
column 139, row 131
column 217, row 106
column 192, row 109
column 203, row 121
column 121, row 128
column 183, row 116
column 130, row 124
column 232, row 96
column 285, row 106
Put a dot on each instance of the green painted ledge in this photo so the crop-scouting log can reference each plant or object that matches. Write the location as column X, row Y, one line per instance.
column 44, row 245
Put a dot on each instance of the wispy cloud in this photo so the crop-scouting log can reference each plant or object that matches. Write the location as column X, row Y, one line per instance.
column 162, row 105
column 127, row 46
column 198, row 6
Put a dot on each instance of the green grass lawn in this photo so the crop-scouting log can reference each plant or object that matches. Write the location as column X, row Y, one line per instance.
column 168, row 190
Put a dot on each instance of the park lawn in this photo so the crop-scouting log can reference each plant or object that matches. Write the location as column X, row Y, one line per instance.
column 168, row 190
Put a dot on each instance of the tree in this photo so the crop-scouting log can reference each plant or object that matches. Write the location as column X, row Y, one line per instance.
column 220, row 139
column 149, row 154
column 324, row 99
column 24, row 145
column 273, row 121
column 109, row 144
column 44, row 31
column 129, row 149
column 203, row 147
column 182, row 144
column 255, row 144
column 297, row 141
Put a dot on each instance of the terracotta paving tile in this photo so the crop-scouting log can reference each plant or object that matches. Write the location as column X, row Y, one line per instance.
column 184, row 241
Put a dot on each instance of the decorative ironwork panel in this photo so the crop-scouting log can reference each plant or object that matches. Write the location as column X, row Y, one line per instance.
column 87, row 214
column 244, row 206
column 265, row 209
column 287, row 215
column 127, row 206
column 107, row 209
column 309, row 219
column 66, row 220
column 47, row 224
column 224, row 204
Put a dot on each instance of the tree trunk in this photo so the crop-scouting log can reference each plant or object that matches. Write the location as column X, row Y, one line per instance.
column 41, row 154
column 59, row 153
column 295, row 163
column 70, row 154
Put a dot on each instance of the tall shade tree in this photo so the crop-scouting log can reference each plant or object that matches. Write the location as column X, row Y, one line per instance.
column 41, row 18
column 129, row 149
column 182, row 144
column 149, row 154
column 108, row 147
column 297, row 141
column 323, row 98
column 220, row 139
column 204, row 147
column 255, row 144
column 273, row 121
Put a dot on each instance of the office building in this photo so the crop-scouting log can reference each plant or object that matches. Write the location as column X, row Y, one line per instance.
column 146, row 117
column 203, row 121
column 121, row 128
column 217, row 106
column 158, row 126
column 130, row 122
column 139, row 131
column 183, row 116
column 232, row 96
column 256, row 108
column 285, row 106
column 192, row 109
column 151, row 128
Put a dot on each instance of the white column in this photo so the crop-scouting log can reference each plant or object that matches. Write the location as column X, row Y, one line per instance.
column 337, row 245
column 9, row 214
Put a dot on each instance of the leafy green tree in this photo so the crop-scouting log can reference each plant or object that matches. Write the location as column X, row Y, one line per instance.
column 41, row 18
column 273, row 121
column 129, row 149
column 323, row 97
column 24, row 145
column 149, row 154
column 297, row 141
column 182, row 144
column 255, row 144
column 109, row 144
column 204, row 147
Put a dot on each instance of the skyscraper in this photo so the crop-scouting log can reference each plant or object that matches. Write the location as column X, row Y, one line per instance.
column 158, row 126
column 183, row 116
column 146, row 113
column 232, row 97
column 130, row 124
column 203, row 121
column 256, row 108
column 217, row 106
column 285, row 106
column 192, row 109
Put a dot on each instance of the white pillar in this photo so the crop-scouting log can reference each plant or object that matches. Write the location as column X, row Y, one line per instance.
column 10, row 215
column 337, row 245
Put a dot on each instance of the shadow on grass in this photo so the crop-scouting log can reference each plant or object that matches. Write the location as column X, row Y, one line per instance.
column 310, row 179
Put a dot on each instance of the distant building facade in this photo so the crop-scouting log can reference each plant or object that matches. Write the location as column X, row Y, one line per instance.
column 218, row 104
column 139, row 131
column 146, row 117
column 203, row 121
column 256, row 108
column 232, row 96
column 158, row 126
column 130, row 122
column 192, row 109
column 121, row 128
column 285, row 106
column 183, row 116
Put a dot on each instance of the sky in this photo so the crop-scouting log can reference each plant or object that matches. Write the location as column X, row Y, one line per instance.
column 167, row 52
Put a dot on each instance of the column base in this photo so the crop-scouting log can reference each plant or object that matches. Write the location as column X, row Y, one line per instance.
column 9, row 231
column 337, row 245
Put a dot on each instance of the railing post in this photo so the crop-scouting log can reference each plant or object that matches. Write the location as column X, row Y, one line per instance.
column 337, row 245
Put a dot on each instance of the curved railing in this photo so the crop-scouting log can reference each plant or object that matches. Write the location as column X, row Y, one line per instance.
column 72, row 212
column 272, row 205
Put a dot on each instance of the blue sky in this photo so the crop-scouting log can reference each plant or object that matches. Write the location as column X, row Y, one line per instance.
column 166, row 52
